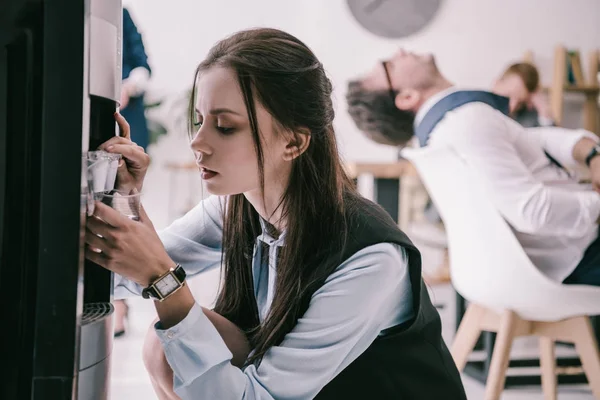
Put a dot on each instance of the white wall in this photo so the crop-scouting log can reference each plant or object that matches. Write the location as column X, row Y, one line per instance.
column 472, row 39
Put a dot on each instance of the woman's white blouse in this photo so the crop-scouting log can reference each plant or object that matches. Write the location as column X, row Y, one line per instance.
column 366, row 294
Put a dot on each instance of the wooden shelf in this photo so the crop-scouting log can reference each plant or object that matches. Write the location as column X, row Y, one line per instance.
column 591, row 89
column 587, row 89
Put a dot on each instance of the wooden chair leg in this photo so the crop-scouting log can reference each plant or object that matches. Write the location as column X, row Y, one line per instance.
column 548, row 368
column 587, row 348
column 467, row 334
column 501, row 356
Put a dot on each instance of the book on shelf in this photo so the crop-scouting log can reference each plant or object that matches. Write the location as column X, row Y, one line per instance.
column 574, row 69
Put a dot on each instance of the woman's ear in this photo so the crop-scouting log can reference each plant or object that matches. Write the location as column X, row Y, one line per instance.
column 408, row 99
column 297, row 143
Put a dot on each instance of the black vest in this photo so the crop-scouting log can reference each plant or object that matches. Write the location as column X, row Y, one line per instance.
column 411, row 360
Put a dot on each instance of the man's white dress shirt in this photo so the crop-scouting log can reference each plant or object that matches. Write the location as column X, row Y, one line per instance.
column 553, row 217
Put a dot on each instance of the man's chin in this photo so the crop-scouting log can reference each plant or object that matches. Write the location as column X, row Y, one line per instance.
column 429, row 58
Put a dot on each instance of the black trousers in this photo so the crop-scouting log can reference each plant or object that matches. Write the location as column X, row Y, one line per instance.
column 587, row 271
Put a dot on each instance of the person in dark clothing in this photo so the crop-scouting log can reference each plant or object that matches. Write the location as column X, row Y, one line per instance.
column 136, row 74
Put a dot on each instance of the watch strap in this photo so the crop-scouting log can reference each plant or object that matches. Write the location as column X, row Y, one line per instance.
column 152, row 292
column 593, row 153
column 179, row 273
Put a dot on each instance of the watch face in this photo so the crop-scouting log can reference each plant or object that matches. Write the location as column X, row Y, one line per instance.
column 167, row 284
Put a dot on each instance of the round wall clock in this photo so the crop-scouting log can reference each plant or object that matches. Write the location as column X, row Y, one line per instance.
column 393, row 18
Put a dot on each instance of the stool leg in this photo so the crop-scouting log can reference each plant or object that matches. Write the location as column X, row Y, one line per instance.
column 587, row 348
column 501, row 356
column 548, row 368
column 467, row 334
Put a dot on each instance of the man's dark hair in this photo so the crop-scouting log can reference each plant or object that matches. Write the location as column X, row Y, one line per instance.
column 376, row 115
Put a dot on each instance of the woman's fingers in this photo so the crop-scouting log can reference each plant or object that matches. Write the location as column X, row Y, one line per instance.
column 133, row 154
column 115, row 140
column 123, row 138
column 95, row 242
column 123, row 126
column 110, row 216
column 98, row 226
column 95, row 257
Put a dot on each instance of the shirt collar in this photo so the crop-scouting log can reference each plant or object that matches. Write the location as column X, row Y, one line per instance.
column 267, row 238
column 430, row 102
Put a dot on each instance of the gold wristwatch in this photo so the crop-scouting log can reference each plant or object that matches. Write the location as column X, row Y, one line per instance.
column 166, row 284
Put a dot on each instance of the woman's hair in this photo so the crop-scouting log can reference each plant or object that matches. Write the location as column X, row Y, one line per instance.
column 527, row 72
column 377, row 117
column 279, row 71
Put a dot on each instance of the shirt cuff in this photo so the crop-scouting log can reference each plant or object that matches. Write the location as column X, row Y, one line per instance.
column 137, row 81
column 545, row 121
column 570, row 142
column 193, row 346
column 588, row 134
column 124, row 288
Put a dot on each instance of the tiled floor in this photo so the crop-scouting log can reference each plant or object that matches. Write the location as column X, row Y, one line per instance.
column 129, row 378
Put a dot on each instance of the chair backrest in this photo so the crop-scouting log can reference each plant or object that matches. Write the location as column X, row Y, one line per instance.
column 488, row 264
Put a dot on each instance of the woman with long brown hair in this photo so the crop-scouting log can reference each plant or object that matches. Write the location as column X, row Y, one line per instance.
column 321, row 293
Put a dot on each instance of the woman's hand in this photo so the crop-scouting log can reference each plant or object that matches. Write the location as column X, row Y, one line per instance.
column 133, row 167
column 129, row 248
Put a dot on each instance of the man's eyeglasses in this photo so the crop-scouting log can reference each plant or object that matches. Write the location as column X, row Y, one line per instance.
column 393, row 92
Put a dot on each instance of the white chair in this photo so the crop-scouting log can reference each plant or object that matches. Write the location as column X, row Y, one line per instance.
column 413, row 198
column 506, row 292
